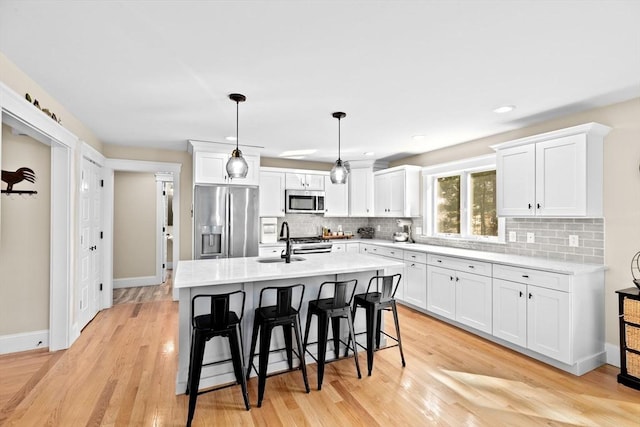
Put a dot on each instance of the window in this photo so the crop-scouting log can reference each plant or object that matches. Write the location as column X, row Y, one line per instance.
column 460, row 200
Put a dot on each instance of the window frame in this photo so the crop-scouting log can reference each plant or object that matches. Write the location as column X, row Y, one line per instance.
column 464, row 169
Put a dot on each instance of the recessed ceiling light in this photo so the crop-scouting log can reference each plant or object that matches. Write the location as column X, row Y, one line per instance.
column 292, row 153
column 418, row 137
column 504, row 109
column 369, row 153
column 230, row 138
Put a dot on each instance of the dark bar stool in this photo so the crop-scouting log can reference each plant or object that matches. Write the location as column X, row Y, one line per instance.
column 374, row 302
column 335, row 308
column 268, row 317
column 220, row 321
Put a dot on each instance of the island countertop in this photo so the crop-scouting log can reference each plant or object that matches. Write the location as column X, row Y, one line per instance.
column 195, row 273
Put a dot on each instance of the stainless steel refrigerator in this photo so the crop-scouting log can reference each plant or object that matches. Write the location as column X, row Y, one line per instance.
column 226, row 222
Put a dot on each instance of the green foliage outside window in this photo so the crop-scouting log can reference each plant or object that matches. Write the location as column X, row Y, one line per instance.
column 484, row 220
column 448, row 204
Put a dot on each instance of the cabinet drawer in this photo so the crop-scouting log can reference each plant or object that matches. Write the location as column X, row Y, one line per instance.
column 545, row 279
column 631, row 310
column 632, row 337
column 413, row 256
column 633, row 364
column 388, row 252
column 460, row 264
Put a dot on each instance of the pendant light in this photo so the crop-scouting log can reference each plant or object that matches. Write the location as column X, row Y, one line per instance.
column 237, row 166
column 338, row 172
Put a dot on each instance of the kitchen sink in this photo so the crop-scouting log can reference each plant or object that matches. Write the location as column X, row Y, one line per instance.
column 272, row 260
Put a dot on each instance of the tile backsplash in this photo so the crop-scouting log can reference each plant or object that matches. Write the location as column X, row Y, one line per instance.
column 551, row 235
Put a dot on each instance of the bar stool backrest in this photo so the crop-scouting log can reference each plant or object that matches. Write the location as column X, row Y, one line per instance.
column 284, row 298
column 343, row 292
column 219, row 307
column 386, row 286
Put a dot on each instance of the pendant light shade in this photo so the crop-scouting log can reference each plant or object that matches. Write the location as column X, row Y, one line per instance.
column 236, row 165
column 339, row 172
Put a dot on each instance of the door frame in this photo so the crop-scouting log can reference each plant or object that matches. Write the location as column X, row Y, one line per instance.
column 27, row 119
column 125, row 165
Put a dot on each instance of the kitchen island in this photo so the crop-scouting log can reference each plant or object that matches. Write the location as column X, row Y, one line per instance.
column 252, row 274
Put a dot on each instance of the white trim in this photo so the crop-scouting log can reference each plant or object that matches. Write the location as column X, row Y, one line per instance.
column 24, row 341
column 592, row 128
column 132, row 282
column 112, row 165
column 23, row 116
column 159, row 224
column 613, row 354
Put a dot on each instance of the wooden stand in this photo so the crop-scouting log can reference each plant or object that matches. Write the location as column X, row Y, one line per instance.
column 629, row 315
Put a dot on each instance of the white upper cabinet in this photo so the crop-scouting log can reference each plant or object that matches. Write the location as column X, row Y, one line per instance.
column 556, row 174
column 304, row 181
column 271, row 193
column 210, row 164
column 361, row 193
column 336, row 198
column 396, row 192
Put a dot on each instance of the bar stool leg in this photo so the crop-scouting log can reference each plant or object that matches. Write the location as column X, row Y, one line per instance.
column 378, row 325
column 194, row 375
column 288, row 343
column 254, row 339
column 193, row 341
column 353, row 317
column 306, row 330
column 395, row 319
column 335, row 327
column 235, row 342
column 323, row 332
column 371, row 329
column 303, row 365
column 353, row 337
column 265, row 344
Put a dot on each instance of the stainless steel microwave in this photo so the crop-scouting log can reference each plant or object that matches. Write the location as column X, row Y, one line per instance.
column 304, row 201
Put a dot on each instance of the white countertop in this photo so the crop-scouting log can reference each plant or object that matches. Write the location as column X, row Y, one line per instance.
column 556, row 266
column 193, row 273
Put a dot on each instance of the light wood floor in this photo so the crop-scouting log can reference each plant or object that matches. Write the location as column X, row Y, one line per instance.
column 122, row 371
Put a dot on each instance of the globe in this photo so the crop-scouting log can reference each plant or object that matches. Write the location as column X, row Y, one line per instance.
column 635, row 269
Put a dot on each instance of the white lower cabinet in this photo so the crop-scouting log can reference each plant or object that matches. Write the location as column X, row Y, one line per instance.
column 415, row 279
column 456, row 294
column 536, row 317
column 353, row 248
column 338, row 247
column 396, row 254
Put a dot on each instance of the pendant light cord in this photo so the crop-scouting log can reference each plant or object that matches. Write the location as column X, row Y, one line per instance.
column 338, row 138
column 237, row 122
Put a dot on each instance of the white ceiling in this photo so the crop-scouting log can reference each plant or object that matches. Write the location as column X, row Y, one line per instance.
column 157, row 73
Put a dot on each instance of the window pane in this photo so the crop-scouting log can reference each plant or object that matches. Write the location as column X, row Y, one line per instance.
column 484, row 221
column 448, row 205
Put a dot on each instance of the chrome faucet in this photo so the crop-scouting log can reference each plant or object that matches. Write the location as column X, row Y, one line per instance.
column 286, row 254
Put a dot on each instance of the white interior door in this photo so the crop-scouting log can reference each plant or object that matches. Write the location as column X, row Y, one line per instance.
column 88, row 298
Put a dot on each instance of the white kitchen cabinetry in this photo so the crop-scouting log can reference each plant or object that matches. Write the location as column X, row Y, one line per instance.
column 415, row 278
column 336, row 198
column 554, row 174
column 304, row 181
column 338, row 247
column 386, row 252
column 361, row 193
column 396, row 192
column 353, row 247
column 346, row 247
column 210, row 163
column 460, row 289
column 271, row 193
column 541, row 301
column 270, row 251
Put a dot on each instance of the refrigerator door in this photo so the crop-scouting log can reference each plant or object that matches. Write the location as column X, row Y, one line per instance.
column 210, row 222
column 244, row 226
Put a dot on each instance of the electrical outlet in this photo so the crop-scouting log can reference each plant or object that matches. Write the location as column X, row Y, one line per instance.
column 378, row 227
column 531, row 238
column 574, row 241
column 513, row 237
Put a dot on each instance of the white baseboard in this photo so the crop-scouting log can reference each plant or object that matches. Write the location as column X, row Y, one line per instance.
column 613, row 354
column 132, row 282
column 14, row 343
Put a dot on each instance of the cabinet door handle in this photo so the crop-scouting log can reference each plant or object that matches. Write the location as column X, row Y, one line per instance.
column 526, row 276
column 451, row 278
column 538, row 205
column 529, row 205
column 438, row 260
column 471, row 266
column 457, row 279
column 530, row 295
column 520, row 294
column 413, row 265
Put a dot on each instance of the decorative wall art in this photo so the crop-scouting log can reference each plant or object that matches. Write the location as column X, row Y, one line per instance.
column 14, row 177
column 44, row 110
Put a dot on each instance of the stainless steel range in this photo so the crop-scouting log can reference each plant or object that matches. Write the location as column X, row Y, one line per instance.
column 310, row 245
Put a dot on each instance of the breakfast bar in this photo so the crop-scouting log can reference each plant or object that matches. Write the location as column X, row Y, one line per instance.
column 251, row 274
